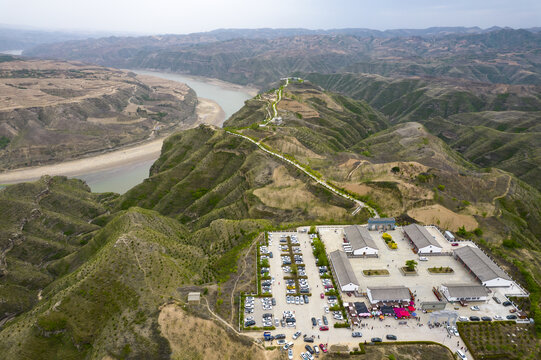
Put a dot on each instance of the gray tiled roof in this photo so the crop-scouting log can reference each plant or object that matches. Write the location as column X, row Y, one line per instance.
column 359, row 237
column 480, row 264
column 342, row 268
column 420, row 236
column 466, row 290
column 389, row 293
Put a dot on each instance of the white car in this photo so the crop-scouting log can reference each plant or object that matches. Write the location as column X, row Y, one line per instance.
column 497, row 317
column 296, row 335
column 423, row 258
column 290, row 354
column 474, row 308
column 326, row 309
column 463, row 318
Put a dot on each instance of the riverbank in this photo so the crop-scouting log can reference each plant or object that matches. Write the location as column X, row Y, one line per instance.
column 208, row 112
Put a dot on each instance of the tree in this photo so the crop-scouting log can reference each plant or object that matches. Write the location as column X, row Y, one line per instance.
column 395, row 170
column 312, row 229
column 386, row 237
column 410, row 265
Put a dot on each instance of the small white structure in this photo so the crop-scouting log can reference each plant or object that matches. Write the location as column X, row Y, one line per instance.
column 360, row 240
column 464, row 292
column 194, row 298
column 388, row 294
column 482, row 267
column 422, row 241
column 449, row 236
column 343, row 271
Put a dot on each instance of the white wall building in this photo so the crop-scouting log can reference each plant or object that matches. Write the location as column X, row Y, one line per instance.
column 360, row 240
column 343, row 271
column 421, row 239
column 464, row 292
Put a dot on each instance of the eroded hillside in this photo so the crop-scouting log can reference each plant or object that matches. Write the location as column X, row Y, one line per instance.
column 52, row 111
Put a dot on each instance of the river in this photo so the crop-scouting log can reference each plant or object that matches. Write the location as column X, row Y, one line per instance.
column 123, row 177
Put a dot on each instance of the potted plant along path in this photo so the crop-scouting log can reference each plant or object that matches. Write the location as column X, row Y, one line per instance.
column 409, row 269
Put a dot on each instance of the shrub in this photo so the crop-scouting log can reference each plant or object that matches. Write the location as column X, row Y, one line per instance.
column 386, row 237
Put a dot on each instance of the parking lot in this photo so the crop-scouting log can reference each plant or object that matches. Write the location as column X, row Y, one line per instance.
column 391, row 260
column 421, row 285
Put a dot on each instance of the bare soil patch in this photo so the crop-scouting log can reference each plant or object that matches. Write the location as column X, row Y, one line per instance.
column 191, row 337
column 437, row 214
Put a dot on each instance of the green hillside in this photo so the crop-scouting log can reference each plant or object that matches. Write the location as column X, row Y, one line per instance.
column 40, row 223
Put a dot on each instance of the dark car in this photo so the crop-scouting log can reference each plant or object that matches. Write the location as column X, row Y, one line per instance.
column 309, row 349
column 498, row 301
column 270, row 255
column 273, row 300
column 249, row 323
column 325, row 321
column 391, row 337
column 306, row 300
column 511, row 317
column 475, row 318
column 376, row 339
column 314, row 322
column 309, row 339
column 356, row 334
column 507, row 303
column 280, row 336
column 486, row 318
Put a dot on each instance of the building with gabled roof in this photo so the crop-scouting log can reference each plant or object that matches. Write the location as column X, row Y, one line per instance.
column 422, row 241
column 464, row 292
column 360, row 240
column 388, row 294
column 343, row 271
column 482, row 267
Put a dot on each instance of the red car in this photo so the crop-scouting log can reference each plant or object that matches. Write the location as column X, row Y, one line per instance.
column 322, row 296
column 323, row 328
column 454, row 244
column 323, row 348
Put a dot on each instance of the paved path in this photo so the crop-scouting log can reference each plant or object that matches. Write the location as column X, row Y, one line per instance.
column 321, row 182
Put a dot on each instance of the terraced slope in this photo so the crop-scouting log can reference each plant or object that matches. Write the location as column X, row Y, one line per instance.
column 490, row 125
column 52, row 111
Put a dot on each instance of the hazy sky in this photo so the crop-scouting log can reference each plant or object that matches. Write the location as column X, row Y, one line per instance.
column 182, row 16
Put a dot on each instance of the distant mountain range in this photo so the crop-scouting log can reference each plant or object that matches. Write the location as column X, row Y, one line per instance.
column 497, row 56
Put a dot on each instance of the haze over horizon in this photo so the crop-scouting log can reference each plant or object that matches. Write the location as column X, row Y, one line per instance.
column 178, row 17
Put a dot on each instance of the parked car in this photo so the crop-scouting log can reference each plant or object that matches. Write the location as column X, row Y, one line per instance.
column 296, row 335
column 356, row 334
column 498, row 301
column 497, row 317
column 376, row 339
column 249, row 323
column 309, row 349
column 511, row 317
column 461, row 355
column 323, row 347
column 462, row 318
column 454, row 244
column 290, row 354
column 423, row 258
column 322, row 295
column 475, row 318
column 474, row 308
column 325, row 321
column 323, row 328
column 486, row 318
column 314, row 322
column 391, row 337
column 507, row 303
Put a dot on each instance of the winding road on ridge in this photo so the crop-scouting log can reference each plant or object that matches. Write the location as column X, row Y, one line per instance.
column 321, row 182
